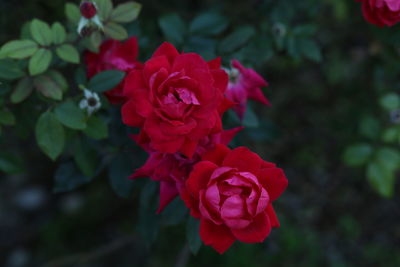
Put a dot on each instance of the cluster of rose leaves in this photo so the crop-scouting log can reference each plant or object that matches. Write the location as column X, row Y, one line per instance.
column 381, row 12
column 177, row 101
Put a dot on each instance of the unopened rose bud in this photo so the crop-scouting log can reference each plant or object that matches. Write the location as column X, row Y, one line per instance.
column 88, row 9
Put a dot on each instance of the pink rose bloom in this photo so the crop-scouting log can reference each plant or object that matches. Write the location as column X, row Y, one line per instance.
column 114, row 55
column 381, row 12
column 244, row 84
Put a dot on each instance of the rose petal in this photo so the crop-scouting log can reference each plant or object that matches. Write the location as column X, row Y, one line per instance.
column 168, row 192
column 199, row 177
column 243, row 159
column 217, row 236
column 256, row 232
column 216, row 155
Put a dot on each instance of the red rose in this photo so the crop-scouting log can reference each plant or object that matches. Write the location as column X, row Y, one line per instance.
column 244, row 84
column 176, row 99
column 114, row 55
column 172, row 170
column 231, row 192
column 381, row 12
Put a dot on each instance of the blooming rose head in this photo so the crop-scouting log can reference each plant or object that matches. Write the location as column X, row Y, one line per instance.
column 231, row 192
column 176, row 99
column 117, row 55
column 243, row 84
column 381, row 12
column 88, row 9
column 172, row 170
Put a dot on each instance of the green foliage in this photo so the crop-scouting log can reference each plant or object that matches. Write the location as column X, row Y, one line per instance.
column 119, row 171
column 106, row 80
column 126, row 12
column 41, row 32
column 70, row 115
column 40, row 61
column 96, row 128
column 22, row 90
column 115, row 31
column 68, row 178
column 208, row 23
column 50, row 135
column 18, row 49
column 59, row 35
column 192, row 234
column 7, row 117
column 236, row 39
column 10, row 70
column 173, row 28
column 358, row 154
column 105, row 8
column 48, row 86
column 68, row 53
column 72, row 12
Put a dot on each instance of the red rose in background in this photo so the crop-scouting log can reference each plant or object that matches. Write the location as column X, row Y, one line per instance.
column 381, row 12
column 176, row 99
column 114, row 55
column 231, row 192
column 172, row 170
column 243, row 84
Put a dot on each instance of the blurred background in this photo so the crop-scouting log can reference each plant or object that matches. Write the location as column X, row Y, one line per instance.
column 333, row 127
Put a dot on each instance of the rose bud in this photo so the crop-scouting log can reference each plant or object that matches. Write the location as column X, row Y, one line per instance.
column 88, row 9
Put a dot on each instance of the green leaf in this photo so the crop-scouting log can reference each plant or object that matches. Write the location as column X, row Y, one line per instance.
column 18, row 49
column 50, row 135
column 389, row 158
column 358, row 154
column 96, row 128
column 174, row 213
column 310, row 49
column 26, row 31
column 118, row 173
column 58, row 79
column 390, row 101
column 209, row 23
column 106, row 80
column 126, row 12
column 370, row 127
column 115, row 31
column 236, row 39
column 7, row 118
column 381, row 179
column 148, row 223
column 58, row 33
column 105, row 8
column 68, row 53
column 390, row 135
column 48, row 87
column 192, row 234
column 23, row 89
column 72, row 12
column 68, row 178
column 85, row 158
column 250, row 119
column 305, row 30
column 10, row 70
column 40, row 61
column 69, row 114
column 41, row 32
column 173, row 28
